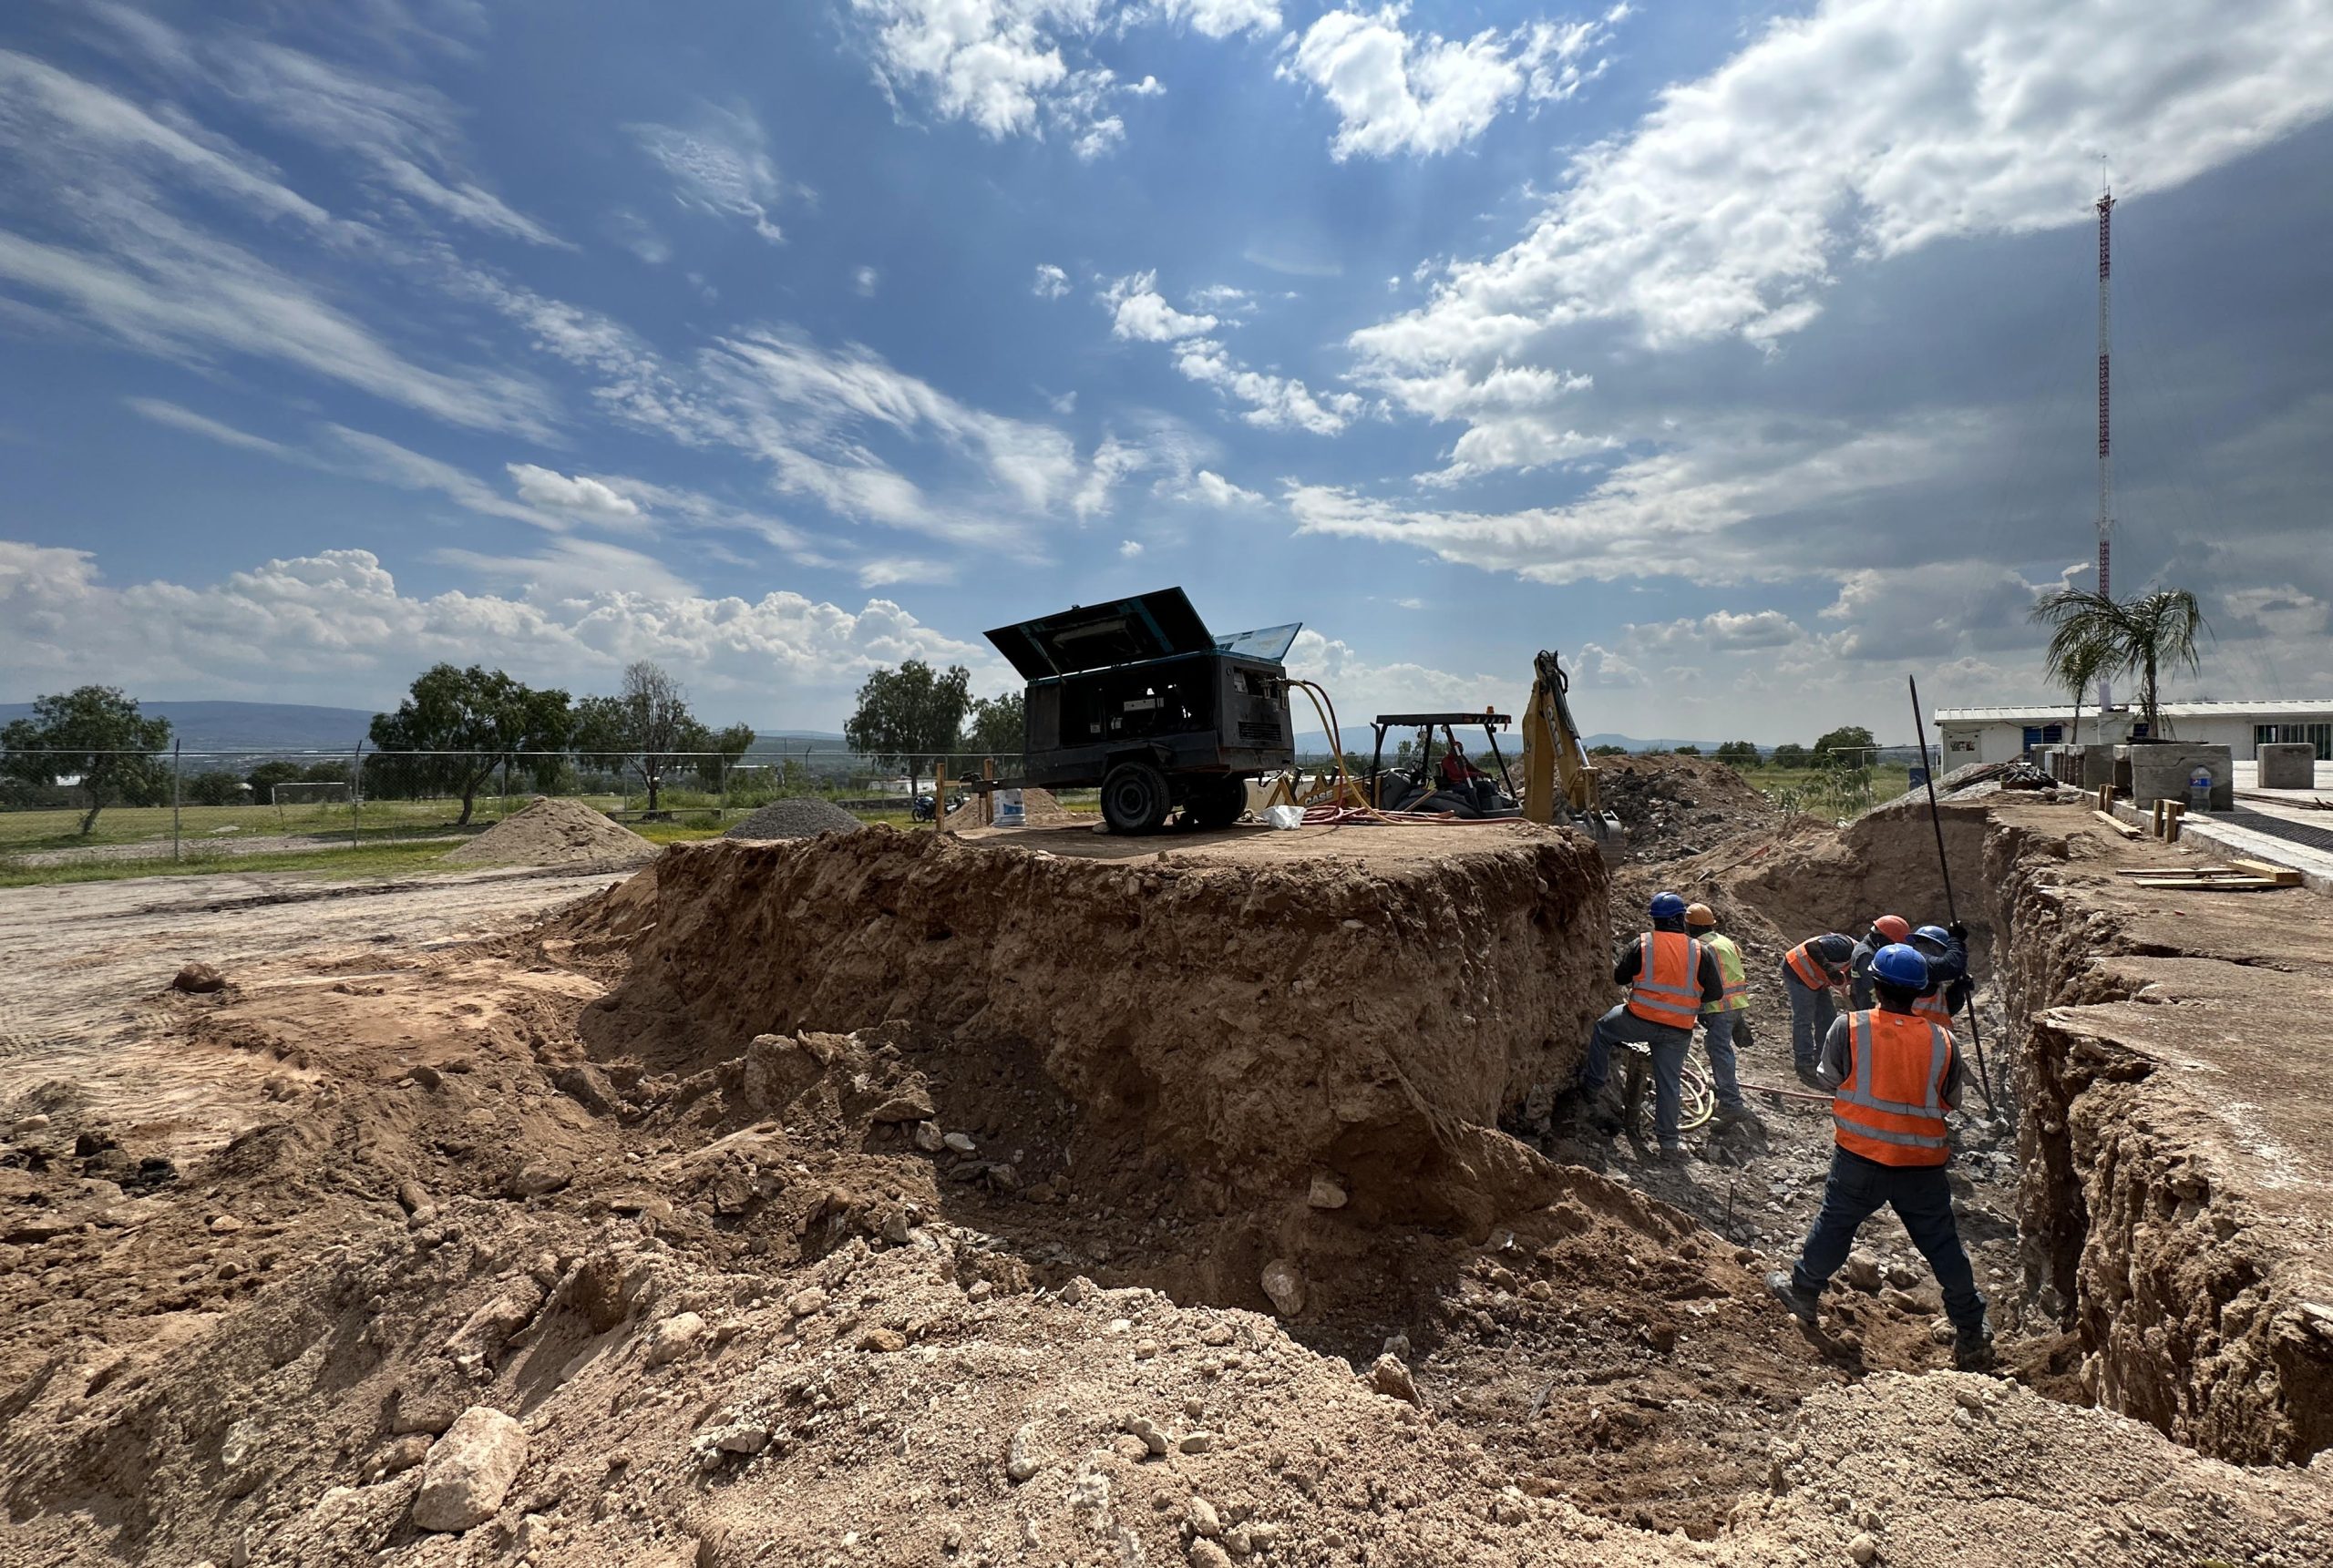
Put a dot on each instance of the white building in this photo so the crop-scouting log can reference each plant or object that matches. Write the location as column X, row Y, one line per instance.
column 2002, row 735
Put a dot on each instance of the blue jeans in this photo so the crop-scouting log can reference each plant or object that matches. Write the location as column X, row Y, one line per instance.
column 1717, row 1039
column 1669, row 1047
column 1811, row 1012
column 1856, row 1191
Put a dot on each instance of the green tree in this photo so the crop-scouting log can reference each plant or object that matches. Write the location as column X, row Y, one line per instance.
column 725, row 746
column 1608, row 751
column 95, row 733
column 997, row 726
column 1851, row 745
column 1688, row 750
column 646, row 727
column 213, row 787
column 267, row 776
column 908, row 715
column 475, row 720
column 2092, row 635
column 1790, row 754
column 1739, row 754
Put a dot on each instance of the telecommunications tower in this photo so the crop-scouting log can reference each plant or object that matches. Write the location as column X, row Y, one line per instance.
column 2105, row 413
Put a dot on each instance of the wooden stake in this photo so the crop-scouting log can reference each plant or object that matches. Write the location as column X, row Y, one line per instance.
column 2109, row 819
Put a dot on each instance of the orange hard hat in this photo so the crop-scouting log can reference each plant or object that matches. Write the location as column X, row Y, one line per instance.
column 1700, row 915
column 1895, row 928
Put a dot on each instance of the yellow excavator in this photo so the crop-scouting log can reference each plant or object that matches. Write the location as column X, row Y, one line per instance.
column 1553, row 756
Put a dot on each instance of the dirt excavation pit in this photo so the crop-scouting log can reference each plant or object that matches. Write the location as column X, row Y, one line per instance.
column 551, row 832
column 1017, row 1197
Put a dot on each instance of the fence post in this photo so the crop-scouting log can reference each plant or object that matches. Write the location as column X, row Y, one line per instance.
column 355, row 795
column 721, row 801
column 175, row 743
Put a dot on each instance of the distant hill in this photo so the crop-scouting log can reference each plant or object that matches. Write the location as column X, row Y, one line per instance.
column 248, row 726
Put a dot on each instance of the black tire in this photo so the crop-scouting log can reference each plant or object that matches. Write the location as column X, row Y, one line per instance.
column 1134, row 798
column 1216, row 803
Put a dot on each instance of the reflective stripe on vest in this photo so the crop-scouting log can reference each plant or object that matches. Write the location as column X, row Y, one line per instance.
column 1891, row 1108
column 1729, row 969
column 1810, row 970
column 1667, row 989
column 1932, row 1008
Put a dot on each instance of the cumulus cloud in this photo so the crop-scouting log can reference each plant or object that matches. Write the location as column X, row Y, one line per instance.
column 1051, row 282
column 1138, row 312
column 720, row 166
column 865, row 281
column 1212, row 488
column 1129, row 548
column 585, row 497
column 1396, row 92
column 1221, row 18
column 1361, row 686
column 322, row 626
column 997, row 65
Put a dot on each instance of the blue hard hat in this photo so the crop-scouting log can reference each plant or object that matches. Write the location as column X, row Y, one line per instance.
column 1935, row 933
column 1668, row 907
column 1899, row 964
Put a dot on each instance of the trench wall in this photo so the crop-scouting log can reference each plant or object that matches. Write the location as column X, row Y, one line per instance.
column 1254, row 1023
column 2200, row 1308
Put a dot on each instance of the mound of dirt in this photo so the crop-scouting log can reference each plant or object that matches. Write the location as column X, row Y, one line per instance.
column 803, row 817
column 1041, row 809
column 1675, row 807
column 1249, row 1021
column 552, row 832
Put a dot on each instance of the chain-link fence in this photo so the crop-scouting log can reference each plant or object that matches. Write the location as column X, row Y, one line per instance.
column 63, row 807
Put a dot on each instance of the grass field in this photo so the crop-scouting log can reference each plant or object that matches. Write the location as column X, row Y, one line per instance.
column 1818, row 791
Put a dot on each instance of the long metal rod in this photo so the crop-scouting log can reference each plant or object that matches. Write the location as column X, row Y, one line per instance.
column 1936, row 821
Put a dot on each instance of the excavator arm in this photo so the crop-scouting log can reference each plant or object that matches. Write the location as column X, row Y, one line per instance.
column 1558, row 783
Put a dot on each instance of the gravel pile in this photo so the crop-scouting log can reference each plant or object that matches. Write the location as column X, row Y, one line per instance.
column 801, row 818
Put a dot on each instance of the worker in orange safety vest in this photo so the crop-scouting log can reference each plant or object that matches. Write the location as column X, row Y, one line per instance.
column 1670, row 976
column 1810, row 972
column 1893, row 1075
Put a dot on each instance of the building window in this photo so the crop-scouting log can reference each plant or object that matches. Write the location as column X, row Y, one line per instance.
column 2044, row 735
column 2317, row 735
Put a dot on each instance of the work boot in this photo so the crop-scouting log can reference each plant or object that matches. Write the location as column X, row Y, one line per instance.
column 1737, row 1116
column 1972, row 1348
column 1672, row 1154
column 1598, row 1109
column 1806, row 1075
column 1804, row 1305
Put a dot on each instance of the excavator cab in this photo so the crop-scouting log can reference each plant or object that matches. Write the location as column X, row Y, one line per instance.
column 1416, row 783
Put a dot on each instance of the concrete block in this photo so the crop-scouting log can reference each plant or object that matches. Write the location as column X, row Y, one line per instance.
column 2159, row 770
column 2288, row 764
column 2098, row 766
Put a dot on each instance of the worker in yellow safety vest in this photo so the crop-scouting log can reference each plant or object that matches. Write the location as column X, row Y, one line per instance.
column 1725, row 1021
column 1893, row 1075
column 1669, row 976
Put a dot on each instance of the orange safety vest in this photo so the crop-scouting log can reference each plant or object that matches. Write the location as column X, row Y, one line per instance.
column 1891, row 1107
column 1668, row 987
column 1808, row 968
column 1931, row 1008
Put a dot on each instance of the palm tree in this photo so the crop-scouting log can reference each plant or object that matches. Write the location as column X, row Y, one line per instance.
column 2080, row 669
column 2093, row 635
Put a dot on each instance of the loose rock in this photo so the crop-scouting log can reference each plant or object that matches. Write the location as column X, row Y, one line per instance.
column 675, row 1337
column 470, row 1469
column 198, row 978
column 1285, row 1286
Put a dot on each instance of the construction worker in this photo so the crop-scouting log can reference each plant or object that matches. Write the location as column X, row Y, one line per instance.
column 1946, row 947
column 1725, row 1018
column 1810, row 972
column 1461, row 778
column 1893, row 1075
column 1669, row 976
column 1885, row 930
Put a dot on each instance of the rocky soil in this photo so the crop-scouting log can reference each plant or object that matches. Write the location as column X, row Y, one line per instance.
column 802, row 817
column 595, row 1242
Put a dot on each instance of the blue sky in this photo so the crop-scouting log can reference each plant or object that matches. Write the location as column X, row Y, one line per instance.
column 1741, row 354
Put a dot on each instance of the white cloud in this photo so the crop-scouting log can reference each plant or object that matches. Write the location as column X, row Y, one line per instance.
column 1397, row 93
column 721, row 166
column 1213, row 489
column 1051, row 282
column 1687, row 512
column 1138, row 312
column 210, row 429
column 1724, row 629
column 889, row 570
column 994, row 63
column 1274, row 402
column 324, row 625
column 1221, row 18
column 379, row 458
column 1864, row 130
column 557, row 492
column 1361, row 688
column 1129, row 548
column 568, row 568
column 2282, row 613
column 865, row 281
